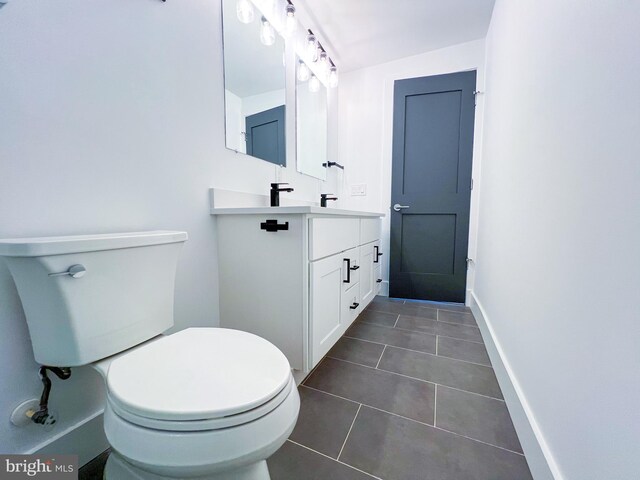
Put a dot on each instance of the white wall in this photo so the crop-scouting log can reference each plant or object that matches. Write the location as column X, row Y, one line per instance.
column 558, row 264
column 112, row 119
column 365, row 132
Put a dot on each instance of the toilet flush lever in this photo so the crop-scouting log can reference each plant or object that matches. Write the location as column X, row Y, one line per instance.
column 74, row 271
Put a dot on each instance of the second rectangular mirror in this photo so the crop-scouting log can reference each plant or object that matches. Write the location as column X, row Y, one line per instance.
column 254, row 79
column 311, row 123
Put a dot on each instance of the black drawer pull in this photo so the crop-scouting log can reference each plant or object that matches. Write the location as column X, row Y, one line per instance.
column 376, row 254
column 355, row 267
column 354, row 306
column 274, row 226
column 379, row 280
column 348, row 280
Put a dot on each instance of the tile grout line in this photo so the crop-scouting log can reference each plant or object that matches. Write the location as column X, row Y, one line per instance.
column 331, row 458
column 435, row 405
column 349, row 432
column 380, row 359
column 437, row 344
column 416, row 351
column 397, row 319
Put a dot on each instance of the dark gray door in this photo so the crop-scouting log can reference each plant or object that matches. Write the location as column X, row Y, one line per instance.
column 431, row 176
column 265, row 135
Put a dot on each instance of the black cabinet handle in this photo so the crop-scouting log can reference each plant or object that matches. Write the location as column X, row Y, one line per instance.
column 274, row 226
column 348, row 280
column 354, row 306
column 355, row 267
column 379, row 280
column 376, row 253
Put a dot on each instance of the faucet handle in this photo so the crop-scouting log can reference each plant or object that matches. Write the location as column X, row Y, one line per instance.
column 274, row 186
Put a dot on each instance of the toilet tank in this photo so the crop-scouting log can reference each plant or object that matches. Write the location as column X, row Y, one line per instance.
column 124, row 297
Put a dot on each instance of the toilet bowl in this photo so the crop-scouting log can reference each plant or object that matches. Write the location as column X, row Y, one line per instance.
column 207, row 403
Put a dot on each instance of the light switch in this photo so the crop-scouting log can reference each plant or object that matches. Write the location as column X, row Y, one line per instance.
column 359, row 190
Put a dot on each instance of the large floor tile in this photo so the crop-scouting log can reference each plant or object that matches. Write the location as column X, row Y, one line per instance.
column 394, row 448
column 378, row 318
column 462, row 318
column 393, row 336
column 323, row 422
column 293, row 462
column 403, row 308
column 453, row 307
column 442, row 370
column 393, row 393
column 357, row 351
column 463, row 350
column 475, row 416
column 425, row 325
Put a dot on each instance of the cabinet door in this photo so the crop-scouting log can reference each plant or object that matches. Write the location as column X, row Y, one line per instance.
column 351, row 306
column 325, row 305
column 367, row 284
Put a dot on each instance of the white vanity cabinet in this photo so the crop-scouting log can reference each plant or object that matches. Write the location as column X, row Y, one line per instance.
column 297, row 276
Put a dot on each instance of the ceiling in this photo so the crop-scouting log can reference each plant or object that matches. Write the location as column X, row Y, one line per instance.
column 360, row 33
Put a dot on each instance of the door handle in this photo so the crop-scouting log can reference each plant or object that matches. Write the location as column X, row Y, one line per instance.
column 397, row 207
column 348, row 280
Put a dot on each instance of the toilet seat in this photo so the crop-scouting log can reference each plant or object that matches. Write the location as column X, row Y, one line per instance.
column 199, row 379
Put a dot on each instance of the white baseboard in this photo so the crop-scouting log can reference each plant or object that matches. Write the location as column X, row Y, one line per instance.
column 85, row 439
column 539, row 456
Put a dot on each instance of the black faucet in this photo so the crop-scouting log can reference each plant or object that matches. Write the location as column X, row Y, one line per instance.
column 275, row 193
column 324, row 197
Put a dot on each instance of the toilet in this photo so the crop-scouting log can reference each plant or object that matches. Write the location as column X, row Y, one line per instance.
column 207, row 403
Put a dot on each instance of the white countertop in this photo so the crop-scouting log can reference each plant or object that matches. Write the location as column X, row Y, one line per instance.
column 310, row 210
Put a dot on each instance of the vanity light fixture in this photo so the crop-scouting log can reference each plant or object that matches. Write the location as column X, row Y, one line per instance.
column 314, row 84
column 290, row 22
column 244, row 10
column 333, row 76
column 303, row 71
column 267, row 33
column 311, row 48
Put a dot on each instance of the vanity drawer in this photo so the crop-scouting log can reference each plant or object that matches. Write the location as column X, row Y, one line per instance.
column 328, row 236
column 351, row 307
column 369, row 230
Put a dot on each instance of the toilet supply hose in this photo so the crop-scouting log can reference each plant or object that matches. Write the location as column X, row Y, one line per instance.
column 42, row 416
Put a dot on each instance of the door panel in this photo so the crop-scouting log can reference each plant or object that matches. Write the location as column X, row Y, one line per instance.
column 265, row 135
column 431, row 175
column 326, row 288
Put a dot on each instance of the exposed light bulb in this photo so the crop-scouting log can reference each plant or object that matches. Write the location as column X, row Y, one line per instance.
column 333, row 77
column 323, row 61
column 267, row 33
column 314, row 84
column 244, row 10
column 290, row 22
column 303, row 71
column 311, row 48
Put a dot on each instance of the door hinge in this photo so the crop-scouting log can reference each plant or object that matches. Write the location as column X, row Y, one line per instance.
column 475, row 96
column 471, row 186
column 469, row 262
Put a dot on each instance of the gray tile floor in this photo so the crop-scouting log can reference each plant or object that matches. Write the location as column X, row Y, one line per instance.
column 408, row 393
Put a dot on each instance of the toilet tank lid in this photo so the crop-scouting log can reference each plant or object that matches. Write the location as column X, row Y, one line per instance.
column 43, row 246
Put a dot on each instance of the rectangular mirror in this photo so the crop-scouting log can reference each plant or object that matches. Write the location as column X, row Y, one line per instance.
column 254, row 80
column 311, row 124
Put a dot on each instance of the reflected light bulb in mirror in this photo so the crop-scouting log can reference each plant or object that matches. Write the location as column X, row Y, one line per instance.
column 314, row 84
column 311, row 48
column 290, row 22
column 303, row 71
column 333, row 77
column 244, row 10
column 267, row 33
